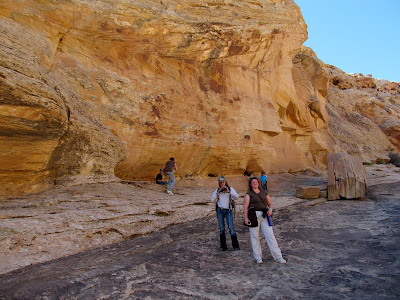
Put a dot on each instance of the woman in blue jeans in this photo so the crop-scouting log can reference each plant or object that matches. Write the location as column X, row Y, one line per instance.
column 225, row 195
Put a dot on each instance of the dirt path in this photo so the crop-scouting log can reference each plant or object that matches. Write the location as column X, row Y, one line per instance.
column 335, row 250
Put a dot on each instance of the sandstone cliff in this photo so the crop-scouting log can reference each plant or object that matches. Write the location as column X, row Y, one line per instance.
column 364, row 114
column 103, row 88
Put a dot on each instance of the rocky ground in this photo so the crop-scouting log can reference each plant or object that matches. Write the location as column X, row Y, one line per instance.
column 338, row 249
column 72, row 218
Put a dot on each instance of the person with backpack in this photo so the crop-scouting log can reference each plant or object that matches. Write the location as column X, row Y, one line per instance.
column 225, row 196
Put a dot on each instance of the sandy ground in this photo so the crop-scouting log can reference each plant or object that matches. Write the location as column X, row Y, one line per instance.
column 70, row 219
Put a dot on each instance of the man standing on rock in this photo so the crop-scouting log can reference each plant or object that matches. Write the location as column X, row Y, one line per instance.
column 169, row 168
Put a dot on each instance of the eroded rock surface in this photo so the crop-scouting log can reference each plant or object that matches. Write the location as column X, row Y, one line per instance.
column 364, row 114
column 70, row 219
column 347, row 178
column 335, row 250
column 93, row 89
column 101, row 88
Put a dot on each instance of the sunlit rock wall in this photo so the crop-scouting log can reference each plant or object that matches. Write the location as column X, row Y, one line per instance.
column 97, row 88
column 364, row 114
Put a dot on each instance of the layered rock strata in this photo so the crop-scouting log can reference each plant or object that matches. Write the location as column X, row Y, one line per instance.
column 92, row 89
column 364, row 114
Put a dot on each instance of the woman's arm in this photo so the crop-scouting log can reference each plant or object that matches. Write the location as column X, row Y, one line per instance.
column 269, row 202
column 245, row 207
column 233, row 193
column 214, row 195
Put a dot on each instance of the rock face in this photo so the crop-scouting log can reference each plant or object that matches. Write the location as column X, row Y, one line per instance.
column 364, row 114
column 104, row 88
column 308, row 192
column 347, row 178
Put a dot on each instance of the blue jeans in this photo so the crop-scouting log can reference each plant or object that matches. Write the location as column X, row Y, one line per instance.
column 171, row 179
column 264, row 186
column 222, row 215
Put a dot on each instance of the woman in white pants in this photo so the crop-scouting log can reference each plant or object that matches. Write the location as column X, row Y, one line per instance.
column 261, row 201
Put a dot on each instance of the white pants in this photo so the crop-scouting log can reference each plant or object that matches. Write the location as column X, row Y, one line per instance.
column 269, row 237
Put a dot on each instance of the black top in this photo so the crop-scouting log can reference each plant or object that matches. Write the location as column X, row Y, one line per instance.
column 258, row 201
column 158, row 177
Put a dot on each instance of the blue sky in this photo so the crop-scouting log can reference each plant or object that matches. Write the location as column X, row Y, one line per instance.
column 357, row 36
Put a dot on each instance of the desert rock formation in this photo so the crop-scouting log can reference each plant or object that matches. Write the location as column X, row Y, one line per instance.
column 347, row 177
column 364, row 114
column 93, row 89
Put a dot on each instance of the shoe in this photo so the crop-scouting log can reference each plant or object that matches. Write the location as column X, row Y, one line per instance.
column 259, row 261
column 236, row 249
column 223, row 248
column 281, row 260
column 169, row 192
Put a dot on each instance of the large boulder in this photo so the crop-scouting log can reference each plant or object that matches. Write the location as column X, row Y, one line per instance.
column 347, row 178
column 308, row 192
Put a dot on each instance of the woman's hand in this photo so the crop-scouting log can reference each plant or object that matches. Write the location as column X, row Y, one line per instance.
column 269, row 212
column 247, row 221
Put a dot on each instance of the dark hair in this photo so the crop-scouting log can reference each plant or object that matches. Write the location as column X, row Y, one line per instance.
column 250, row 180
column 263, row 172
column 171, row 158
